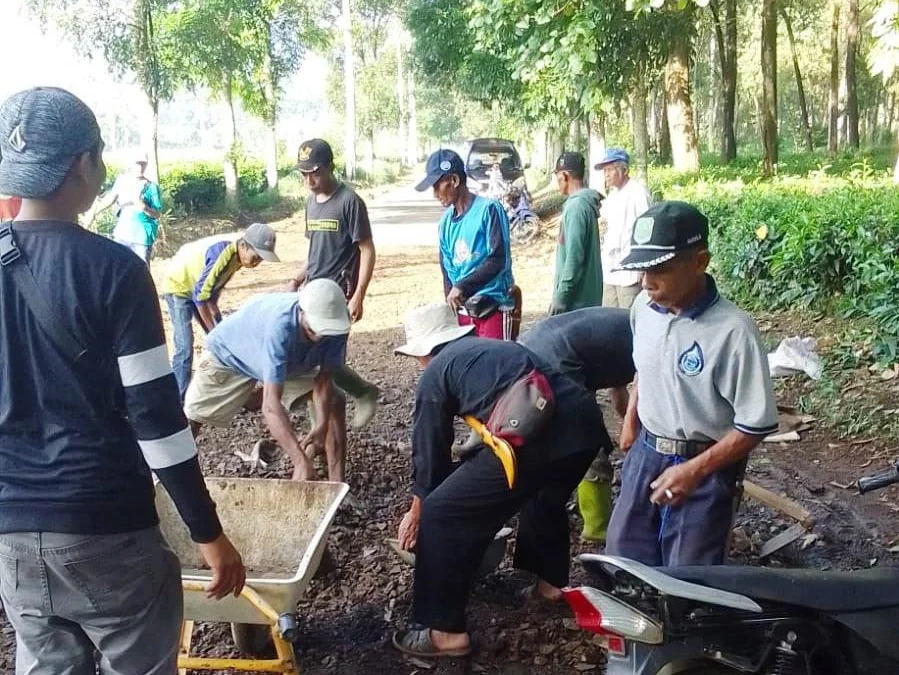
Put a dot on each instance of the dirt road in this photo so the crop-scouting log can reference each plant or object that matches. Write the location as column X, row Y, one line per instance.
column 351, row 610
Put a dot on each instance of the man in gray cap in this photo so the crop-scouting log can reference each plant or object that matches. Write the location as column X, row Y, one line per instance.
column 195, row 277
column 82, row 428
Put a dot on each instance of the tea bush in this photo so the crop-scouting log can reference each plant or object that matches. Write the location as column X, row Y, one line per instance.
column 199, row 187
column 826, row 240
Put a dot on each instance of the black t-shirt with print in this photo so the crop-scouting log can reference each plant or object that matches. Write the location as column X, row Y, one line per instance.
column 335, row 228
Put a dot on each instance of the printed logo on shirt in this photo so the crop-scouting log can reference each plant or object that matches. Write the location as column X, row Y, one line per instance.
column 325, row 225
column 461, row 252
column 691, row 362
column 643, row 230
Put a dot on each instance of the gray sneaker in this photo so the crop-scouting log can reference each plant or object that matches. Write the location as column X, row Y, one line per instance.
column 366, row 406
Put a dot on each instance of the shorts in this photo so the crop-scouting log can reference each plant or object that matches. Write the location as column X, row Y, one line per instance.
column 216, row 393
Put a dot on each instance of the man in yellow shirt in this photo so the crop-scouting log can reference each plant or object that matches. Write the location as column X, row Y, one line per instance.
column 194, row 279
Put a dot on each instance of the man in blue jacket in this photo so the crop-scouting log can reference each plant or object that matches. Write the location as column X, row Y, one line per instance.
column 475, row 256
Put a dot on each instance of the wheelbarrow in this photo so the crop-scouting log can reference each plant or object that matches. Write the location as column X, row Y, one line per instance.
column 281, row 529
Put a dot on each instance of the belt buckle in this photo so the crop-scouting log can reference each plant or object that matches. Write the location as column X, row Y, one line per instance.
column 666, row 446
column 9, row 249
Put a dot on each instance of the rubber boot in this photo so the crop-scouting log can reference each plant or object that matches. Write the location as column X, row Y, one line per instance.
column 363, row 392
column 594, row 500
column 594, row 496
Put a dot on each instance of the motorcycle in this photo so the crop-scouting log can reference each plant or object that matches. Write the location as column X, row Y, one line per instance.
column 729, row 619
column 523, row 222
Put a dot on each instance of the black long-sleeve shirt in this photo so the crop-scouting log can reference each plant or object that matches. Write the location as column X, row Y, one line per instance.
column 466, row 378
column 78, row 440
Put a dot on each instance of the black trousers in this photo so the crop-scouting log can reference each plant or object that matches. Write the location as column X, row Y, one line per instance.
column 460, row 518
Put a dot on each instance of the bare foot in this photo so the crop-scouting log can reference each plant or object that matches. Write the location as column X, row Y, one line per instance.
column 548, row 592
column 449, row 641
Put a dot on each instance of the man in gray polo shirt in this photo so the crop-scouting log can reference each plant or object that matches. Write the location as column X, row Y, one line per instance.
column 703, row 399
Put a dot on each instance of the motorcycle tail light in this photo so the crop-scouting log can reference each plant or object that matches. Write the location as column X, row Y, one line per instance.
column 601, row 613
column 616, row 645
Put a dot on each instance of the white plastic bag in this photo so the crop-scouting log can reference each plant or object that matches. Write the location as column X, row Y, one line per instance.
column 796, row 355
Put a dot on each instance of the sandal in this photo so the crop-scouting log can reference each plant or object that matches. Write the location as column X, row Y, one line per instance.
column 417, row 642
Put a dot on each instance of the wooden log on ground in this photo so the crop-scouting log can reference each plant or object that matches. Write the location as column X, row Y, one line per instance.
column 785, row 505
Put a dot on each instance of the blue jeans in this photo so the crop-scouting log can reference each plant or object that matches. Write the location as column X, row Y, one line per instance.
column 695, row 533
column 181, row 313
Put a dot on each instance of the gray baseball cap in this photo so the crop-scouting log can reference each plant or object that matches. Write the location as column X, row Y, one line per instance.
column 262, row 240
column 42, row 131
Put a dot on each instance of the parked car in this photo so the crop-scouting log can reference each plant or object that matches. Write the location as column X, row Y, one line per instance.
column 486, row 153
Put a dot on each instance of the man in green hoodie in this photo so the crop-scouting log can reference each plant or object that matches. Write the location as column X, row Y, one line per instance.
column 578, row 277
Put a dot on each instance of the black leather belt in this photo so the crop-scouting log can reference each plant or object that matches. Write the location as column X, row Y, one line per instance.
column 672, row 446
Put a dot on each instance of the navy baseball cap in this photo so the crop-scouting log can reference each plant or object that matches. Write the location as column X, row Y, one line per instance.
column 441, row 163
column 613, row 155
column 313, row 155
column 662, row 232
column 42, row 132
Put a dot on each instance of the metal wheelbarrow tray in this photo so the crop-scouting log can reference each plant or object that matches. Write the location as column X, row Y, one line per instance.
column 280, row 528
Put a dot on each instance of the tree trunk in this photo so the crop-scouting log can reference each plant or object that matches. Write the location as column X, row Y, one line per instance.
column 402, row 134
column 833, row 110
column 800, row 89
column 232, row 185
column 412, row 145
column 726, row 37
column 271, row 116
column 852, row 33
column 641, row 132
column 596, row 132
column 769, row 85
column 664, row 130
column 684, row 147
column 349, row 87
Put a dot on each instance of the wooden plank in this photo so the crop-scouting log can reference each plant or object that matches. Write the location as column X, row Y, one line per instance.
column 785, row 538
column 785, row 505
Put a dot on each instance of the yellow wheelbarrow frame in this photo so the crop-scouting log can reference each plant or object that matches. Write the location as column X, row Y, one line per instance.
column 284, row 663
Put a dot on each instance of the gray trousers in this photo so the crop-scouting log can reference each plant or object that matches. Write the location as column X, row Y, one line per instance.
column 78, row 601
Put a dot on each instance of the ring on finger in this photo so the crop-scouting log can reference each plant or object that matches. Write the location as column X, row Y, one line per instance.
column 669, row 494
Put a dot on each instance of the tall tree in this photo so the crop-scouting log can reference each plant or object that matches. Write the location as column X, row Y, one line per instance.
column 769, row 84
column 282, row 32
column 125, row 34
column 684, row 143
column 833, row 109
column 220, row 59
column 724, row 13
column 349, row 88
column 800, row 89
column 852, row 44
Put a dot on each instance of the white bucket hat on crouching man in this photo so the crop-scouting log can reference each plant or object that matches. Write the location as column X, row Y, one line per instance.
column 429, row 326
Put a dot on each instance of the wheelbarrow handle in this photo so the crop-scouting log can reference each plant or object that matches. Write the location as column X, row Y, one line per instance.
column 247, row 594
column 503, row 451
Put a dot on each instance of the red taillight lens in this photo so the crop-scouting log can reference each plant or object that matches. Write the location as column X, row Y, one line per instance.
column 586, row 614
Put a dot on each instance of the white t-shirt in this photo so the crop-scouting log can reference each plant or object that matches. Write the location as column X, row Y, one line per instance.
column 620, row 210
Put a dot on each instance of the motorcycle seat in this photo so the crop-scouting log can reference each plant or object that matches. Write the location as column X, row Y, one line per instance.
column 823, row 591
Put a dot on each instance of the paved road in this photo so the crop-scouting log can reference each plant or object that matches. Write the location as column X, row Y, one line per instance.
column 405, row 217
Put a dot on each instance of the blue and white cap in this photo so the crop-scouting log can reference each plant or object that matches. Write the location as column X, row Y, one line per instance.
column 441, row 163
column 42, row 131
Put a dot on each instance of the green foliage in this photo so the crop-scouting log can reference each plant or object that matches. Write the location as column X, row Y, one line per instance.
column 199, row 187
column 825, row 239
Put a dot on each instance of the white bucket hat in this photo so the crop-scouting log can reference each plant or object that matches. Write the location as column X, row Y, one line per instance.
column 324, row 306
column 428, row 326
